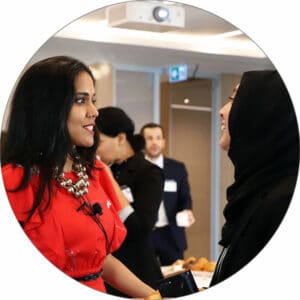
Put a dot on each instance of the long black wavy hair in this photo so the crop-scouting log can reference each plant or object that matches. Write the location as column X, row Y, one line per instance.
column 37, row 134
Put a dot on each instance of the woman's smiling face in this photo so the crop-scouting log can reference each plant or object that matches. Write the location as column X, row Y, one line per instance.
column 224, row 114
column 81, row 119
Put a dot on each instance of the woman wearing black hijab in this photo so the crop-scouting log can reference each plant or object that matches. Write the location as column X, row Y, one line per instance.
column 262, row 139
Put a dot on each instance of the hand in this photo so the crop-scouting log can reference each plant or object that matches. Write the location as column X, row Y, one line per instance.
column 191, row 217
column 154, row 296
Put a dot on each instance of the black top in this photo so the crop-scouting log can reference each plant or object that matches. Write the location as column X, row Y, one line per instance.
column 145, row 181
column 264, row 150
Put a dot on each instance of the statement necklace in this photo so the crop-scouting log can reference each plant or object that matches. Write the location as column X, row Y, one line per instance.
column 80, row 187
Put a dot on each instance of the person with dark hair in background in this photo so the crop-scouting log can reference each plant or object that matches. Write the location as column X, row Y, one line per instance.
column 175, row 212
column 62, row 197
column 259, row 130
column 141, row 183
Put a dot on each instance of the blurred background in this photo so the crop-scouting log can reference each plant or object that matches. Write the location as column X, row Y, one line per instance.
column 175, row 66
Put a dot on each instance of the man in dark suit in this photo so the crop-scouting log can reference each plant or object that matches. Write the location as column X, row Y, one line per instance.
column 175, row 212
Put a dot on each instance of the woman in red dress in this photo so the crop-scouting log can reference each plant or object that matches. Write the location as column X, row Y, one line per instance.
column 63, row 197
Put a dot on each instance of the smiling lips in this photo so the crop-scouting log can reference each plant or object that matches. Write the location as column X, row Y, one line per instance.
column 89, row 128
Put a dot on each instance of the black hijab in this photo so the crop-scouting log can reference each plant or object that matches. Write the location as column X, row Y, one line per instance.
column 264, row 143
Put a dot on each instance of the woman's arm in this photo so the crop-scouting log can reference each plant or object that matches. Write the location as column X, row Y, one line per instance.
column 121, row 278
column 140, row 217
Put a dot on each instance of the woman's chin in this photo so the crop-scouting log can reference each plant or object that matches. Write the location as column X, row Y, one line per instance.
column 85, row 144
column 224, row 145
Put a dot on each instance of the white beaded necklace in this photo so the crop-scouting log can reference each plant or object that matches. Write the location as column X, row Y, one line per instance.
column 80, row 187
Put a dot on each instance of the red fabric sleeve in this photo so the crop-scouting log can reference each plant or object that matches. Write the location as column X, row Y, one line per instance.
column 20, row 201
column 47, row 240
column 107, row 185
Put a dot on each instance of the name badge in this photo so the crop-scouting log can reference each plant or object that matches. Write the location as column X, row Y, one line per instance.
column 127, row 193
column 170, row 185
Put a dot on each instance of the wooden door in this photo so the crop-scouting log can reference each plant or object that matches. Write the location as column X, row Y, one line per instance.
column 188, row 133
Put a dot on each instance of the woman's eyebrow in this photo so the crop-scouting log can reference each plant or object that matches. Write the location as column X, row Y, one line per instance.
column 84, row 94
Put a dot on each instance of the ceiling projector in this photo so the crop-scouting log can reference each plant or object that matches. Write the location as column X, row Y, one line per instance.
column 149, row 16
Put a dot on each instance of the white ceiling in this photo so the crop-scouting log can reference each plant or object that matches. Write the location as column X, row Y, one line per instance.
column 201, row 43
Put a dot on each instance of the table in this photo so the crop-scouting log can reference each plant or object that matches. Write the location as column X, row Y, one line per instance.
column 202, row 278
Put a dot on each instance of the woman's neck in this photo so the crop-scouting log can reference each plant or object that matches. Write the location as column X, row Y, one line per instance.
column 126, row 153
column 68, row 165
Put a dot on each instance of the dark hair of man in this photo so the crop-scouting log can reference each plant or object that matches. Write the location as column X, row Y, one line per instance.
column 37, row 136
column 151, row 125
column 112, row 121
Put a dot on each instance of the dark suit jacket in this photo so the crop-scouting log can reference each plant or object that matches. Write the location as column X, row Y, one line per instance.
column 177, row 201
column 146, row 183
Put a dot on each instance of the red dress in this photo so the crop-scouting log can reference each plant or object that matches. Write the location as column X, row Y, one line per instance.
column 70, row 239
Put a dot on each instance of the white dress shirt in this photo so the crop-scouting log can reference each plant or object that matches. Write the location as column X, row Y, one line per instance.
column 162, row 219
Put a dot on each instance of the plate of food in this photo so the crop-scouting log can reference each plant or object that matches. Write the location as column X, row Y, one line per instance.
column 201, row 268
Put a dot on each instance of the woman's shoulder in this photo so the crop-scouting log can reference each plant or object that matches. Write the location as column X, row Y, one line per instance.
column 98, row 164
column 12, row 168
column 148, row 169
column 12, row 174
column 278, row 191
column 142, row 163
column 273, row 202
